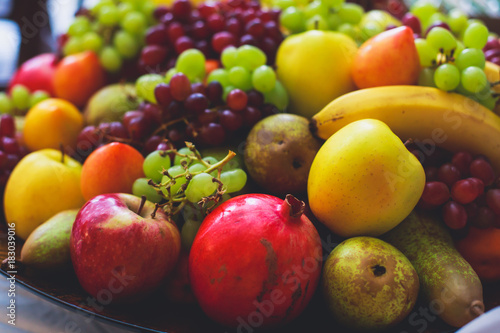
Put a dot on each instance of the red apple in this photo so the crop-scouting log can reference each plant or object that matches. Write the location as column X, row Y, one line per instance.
column 118, row 253
column 78, row 76
column 36, row 73
column 389, row 58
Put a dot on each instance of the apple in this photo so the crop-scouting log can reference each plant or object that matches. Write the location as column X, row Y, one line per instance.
column 389, row 58
column 111, row 168
column 119, row 251
column 36, row 73
column 41, row 185
column 78, row 76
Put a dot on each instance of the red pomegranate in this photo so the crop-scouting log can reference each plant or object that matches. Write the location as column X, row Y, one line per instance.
column 255, row 261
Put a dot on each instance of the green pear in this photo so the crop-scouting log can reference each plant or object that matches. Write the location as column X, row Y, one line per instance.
column 363, row 181
column 279, row 152
column 110, row 103
column 368, row 284
column 47, row 247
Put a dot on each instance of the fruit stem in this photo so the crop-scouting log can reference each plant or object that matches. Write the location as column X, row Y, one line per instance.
column 61, row 148
column 221, row 163
column 293, row 207
column 143, row 201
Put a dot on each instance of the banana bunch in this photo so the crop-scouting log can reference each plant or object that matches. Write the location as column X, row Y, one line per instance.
column 429, row 116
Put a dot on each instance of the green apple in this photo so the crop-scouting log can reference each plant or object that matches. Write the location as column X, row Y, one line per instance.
column 41, row 185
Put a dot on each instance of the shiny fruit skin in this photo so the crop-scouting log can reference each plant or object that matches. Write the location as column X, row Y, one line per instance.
column 247, row 263
column 36, row 73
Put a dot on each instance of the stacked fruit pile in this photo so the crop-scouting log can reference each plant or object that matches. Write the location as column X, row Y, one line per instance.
column 177, row 145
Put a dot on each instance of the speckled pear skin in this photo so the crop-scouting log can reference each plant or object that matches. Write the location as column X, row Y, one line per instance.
column 450, row 287
column 359, row 293
column 47, row 247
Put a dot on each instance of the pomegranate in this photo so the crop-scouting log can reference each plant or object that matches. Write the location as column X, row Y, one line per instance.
column 255, row 261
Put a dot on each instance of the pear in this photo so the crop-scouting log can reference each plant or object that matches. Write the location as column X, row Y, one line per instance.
column 110, row 103
column 368, row 284
column 47, row 247
column 279, row 152
column 363, row 181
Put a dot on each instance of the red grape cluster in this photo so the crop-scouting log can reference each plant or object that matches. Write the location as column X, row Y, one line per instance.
column 185, row 112
column 492, row 50
column 10, row 149
column 209, row 27
column 465, row 189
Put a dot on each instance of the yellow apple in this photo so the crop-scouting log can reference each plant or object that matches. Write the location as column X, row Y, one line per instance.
column 41, row 185
column 315, row 68
column 363, row 181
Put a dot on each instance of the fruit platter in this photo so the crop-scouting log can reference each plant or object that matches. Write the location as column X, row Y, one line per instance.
column 258, row 166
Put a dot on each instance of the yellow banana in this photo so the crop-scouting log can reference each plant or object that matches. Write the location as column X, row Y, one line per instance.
column 427, row 115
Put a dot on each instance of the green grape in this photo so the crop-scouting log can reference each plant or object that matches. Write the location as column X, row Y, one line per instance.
column 370, row 29
column 92, row 41
column 145, row 86
column 474, row 79
column 336, row 4
column 349, row 30
column 123, row 9
column 184, row 151
column 333, row 21
column 110, row 59
column 440, row 38
column 198, row 167
column 317, row 22
column 460, row 47
column 37, row 97
column 171, row 72
column 134, row 23
column 278, row 96
column 154, row 164
column 188, row 233
column 240, row 77
column 426, row 77
column 220, row 75
column 6, row 105
column 426, row 52
column 174, row 171
column 229, row 57
column 283, row 4
column 226, row 91
column 447, row 77
column 437, row 17
column 211, row 160
column 148, row 8
column 72, row 46
column 233, row 180
column 20, row 96
column 192, row 63
column 475, row 36
column 108, row 15
column 351, row 13
column 251, row 57
column 293, row 19
column 126, row 44
column 263, row 78
column 423, row 10
column 489, row 101
column 79, row 26
column 457, row 21
column 141, row 187
column 470, row 57
column 200, row 186
column 101, row 3
column 314, row 8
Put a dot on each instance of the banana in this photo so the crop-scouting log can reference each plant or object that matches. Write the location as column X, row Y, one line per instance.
column 492, row 72
column 429, row 116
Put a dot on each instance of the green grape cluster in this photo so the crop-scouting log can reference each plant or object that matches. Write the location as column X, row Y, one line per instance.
column 114, row 29
column 245, row 68
column 20, row 100
column 187, row 178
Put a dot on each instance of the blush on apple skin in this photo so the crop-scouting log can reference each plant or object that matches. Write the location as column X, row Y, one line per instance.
column 37, row 73
column 389, row 58
column 118, row 255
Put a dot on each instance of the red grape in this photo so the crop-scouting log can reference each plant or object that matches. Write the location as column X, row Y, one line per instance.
column 454, row 215
column 413, row 22
column 448, row 174
column 493, row 200
column 212, row 134
column 156, row 35
column 435, row 193
column 216, row 22
column 221, row 40
column 152, row 55
column 237, row 100
column 462, row 161
column 163, row 95
column 7, row 126
column 485, row 218
column 482, row 169
column 196, row 102
column 181, row 9
column 180, row 87
column 230, row 120
column 251, row 116
column 465, row 191
column 183, row 43
column 255, row 28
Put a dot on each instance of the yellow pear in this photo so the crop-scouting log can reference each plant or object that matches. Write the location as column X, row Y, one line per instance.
column 41, row 185
column 315, row 68
column 363, row 181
